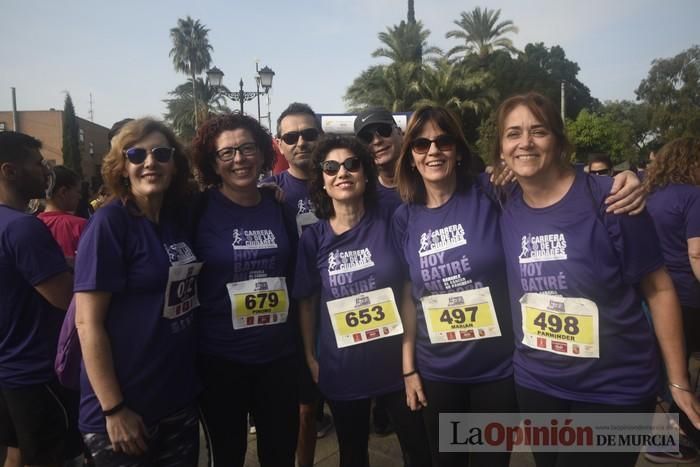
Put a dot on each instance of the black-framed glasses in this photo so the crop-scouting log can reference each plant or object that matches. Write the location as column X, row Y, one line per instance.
column 382, row 129
column 443, row 142
column 228, row 153
column 351, row 164
column 309, row 134
column 137, row 155
column 599, row 172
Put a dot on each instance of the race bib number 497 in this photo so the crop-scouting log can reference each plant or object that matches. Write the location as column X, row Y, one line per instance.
column 364, row 317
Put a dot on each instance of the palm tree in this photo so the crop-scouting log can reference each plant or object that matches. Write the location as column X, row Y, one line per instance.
column 406, row 42
column 180, row 113
column 191, row 50
column 457, row 88
column 482, row 33
column 391, row 86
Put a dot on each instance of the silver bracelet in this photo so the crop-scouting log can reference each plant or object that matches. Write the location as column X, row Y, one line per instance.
column 678, row 386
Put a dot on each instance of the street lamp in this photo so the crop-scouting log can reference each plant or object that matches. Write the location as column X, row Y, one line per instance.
column 264, row 79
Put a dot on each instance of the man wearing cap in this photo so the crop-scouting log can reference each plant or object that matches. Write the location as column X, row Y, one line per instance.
column 35, row 287
column 377, row 128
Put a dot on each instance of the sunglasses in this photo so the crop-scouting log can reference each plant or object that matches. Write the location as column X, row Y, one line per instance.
column 443, row 143
column 245, row 150
column 137, row 155
column 309, row 134
column 600, row 172
column 351, row 164
column 384, row 130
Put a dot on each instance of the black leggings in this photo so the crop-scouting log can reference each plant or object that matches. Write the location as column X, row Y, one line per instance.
column 493, row 396
column 531, row 401
column 351, row 420
column 269, row 391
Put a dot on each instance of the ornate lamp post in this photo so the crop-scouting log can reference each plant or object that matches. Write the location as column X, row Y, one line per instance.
column 264, row 79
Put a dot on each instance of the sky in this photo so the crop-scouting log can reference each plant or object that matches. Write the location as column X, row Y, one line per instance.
column 118, row 51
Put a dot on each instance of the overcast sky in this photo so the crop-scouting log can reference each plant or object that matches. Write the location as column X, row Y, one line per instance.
column 118, row 50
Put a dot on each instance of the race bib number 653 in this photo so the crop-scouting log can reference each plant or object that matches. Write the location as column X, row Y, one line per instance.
column 364, row 317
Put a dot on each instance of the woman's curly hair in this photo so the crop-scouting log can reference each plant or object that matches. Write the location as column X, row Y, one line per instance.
column 203, row 146
column 675, row 163
column 323, row 204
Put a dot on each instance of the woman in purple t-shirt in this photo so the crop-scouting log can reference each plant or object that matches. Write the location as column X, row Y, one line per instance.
column 574, row 270
column 247, row 328
column 348, row 302
column 673, row 183
column 458, row 340
column 135, row 277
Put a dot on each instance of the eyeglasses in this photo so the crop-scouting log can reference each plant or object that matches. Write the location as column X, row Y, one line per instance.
column 309, row 134
column 382, row 129
column 443, row 142
column 600, row 172
column 245, row 150
column 351, row 164
column 137, row 155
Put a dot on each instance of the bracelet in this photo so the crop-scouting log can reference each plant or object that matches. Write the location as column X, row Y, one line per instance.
column 678, row 386
column 410, row 373
column 114, row 409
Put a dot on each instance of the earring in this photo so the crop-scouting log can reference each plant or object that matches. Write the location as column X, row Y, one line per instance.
column 126, row 182
column 366, row 180
column 324, row 187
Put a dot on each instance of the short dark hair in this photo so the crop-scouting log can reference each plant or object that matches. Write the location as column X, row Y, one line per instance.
column 323, row 204
column 409, row 181
column 296, row 108
column 63, row 177
column 600, row 157
column 14, row 145
column 116, row 127
column 204, row 144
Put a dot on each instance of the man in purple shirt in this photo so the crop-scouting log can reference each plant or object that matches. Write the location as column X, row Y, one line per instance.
column 35, row 290
column 377, row 128
column 298, row 130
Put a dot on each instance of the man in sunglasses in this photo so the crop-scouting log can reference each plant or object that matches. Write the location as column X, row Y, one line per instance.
column 36, row 287
column 298, row 131
column 600, row 164
column 377, row 128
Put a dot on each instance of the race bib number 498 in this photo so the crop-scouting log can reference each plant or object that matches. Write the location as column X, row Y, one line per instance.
column 560, row 325
column 364, row 317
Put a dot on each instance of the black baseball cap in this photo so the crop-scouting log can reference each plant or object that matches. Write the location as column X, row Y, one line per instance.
column 373, row 116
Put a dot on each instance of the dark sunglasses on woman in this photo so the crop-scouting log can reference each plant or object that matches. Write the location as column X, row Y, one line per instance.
column 137, row 155
column 309, row 134
column 384, row 130
column 443, row 142
column 351, row 164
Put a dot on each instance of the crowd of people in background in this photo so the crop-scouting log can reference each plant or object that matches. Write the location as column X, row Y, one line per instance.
column 205, row 290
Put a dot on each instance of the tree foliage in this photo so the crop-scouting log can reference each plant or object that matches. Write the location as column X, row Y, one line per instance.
column 672, row 91
column 481, row 33
column 191, row 52
column 406, row 42
column 180, row 108
column 71, row 137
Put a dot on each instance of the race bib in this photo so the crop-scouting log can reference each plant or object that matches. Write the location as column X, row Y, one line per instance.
column 460, row 316
column 305, row 219
column 258, row 302
column 181, row 291
column 560, row 325
column 365, row 317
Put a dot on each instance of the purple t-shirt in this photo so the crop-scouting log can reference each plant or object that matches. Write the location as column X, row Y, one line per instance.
column 472, row 258
column 675, row 210
column 297, row 204
column 153, row 356
column 585, row 253
column 388, row 199
column 29, row 325
column 364, row 370
column 222, row 225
